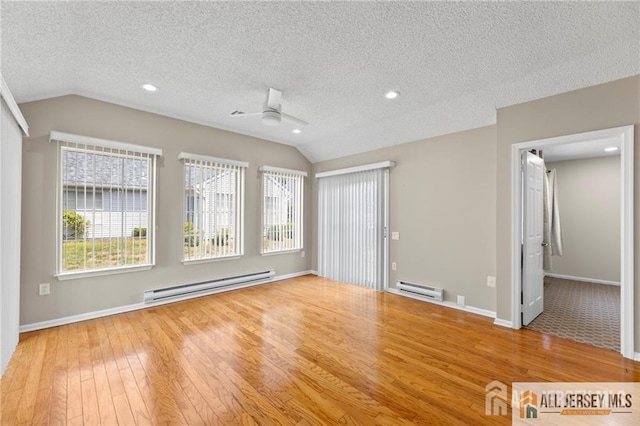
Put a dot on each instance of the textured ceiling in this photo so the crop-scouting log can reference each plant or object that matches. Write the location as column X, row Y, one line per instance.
column 454, row 63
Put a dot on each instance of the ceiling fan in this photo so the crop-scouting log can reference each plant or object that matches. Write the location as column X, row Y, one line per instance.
column 272, row 114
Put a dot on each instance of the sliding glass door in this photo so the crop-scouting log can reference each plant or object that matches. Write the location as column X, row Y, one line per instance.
column 352, row 226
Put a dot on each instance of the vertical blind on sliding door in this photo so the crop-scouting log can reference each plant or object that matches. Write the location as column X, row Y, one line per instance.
column 351, row 226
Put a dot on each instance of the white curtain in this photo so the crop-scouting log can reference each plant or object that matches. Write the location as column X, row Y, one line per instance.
column 351, row 209
column 552, row 229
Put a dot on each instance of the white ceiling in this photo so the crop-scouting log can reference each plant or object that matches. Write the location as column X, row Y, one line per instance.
column 454, row 63
column 579, row 150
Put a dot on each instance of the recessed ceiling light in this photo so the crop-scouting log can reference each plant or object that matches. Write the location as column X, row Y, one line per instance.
column 611, row 149
column 297, row 131
column 392, row 95
column 149, row 87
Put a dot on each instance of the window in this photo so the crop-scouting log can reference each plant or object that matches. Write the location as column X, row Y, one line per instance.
column 77, row 198
column 129, row 200
column 105, row 214
column 282, row 201
column 213, row 207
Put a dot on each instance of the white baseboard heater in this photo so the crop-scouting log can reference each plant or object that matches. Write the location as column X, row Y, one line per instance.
column 194, row 289
column 433, row 293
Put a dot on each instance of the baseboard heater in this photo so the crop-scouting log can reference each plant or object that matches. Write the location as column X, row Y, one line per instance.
column 433, row 293
column 151, row 296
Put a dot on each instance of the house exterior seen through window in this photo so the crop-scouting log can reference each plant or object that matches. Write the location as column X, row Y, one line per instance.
column 282, row 204
column 105, row 208
column 213, row 208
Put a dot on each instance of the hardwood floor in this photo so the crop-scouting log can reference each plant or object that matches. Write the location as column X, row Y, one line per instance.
column 301, row 351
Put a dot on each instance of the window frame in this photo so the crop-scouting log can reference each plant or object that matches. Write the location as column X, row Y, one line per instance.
column 299, row 175
column 91, row 145
column 239, row 167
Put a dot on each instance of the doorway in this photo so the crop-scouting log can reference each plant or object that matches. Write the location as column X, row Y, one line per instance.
column 353, row 218
column 624, row 137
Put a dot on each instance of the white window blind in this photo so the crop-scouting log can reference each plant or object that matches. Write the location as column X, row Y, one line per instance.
column 282, row 209
column 213, row 207
column 92, row 238
column 351, row 227
column 10, row 220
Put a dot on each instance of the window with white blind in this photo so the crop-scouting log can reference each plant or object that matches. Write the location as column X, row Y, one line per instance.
column 106, row 205
column 282, row 207
column 213, row 207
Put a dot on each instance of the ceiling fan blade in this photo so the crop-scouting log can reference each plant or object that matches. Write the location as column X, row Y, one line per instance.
column 294, row 120
column 243, row 114
column 273, row 99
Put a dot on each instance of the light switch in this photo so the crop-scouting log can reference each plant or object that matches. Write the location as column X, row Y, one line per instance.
column 395, row 235
column 45, row 289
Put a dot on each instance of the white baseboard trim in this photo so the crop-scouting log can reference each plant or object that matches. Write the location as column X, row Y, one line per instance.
column 82, row 317
column 446, row 304
column 136, row 306
column 636, row 356
column 314, row 273
column 587, row 280
column 292, row 275
column 503, row 323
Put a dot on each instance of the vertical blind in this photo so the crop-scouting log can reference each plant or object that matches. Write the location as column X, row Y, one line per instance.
column 106, row 210
column 351, row 222
column 282, row 205
column 10, row 218
column 213, row 207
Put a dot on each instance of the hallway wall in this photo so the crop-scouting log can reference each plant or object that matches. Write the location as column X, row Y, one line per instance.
column 589, row 203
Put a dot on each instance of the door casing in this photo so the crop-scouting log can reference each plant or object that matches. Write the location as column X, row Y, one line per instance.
column 625, row 136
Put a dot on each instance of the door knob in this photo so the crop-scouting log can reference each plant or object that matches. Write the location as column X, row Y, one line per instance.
column 545, row 244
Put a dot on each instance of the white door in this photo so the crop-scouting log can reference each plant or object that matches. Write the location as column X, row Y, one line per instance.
column 532, row 247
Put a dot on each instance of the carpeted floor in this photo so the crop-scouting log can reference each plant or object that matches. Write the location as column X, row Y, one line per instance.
column 584, row 312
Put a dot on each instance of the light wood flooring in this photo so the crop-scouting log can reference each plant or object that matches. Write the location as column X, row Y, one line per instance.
column 301, row 351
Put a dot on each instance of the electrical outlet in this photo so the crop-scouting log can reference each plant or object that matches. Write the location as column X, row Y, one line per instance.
column 491, row 281
column 460, row 300
column 393, row 266
column 395, row 235
column 302, row 254
column 45, row 289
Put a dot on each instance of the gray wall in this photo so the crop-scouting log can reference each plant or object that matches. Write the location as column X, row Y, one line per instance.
column 589, row 203
column 442, row 201
column 82, row 116
column 598, row 107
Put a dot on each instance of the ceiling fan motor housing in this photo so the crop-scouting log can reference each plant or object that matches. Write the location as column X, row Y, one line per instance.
column 271, row 118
